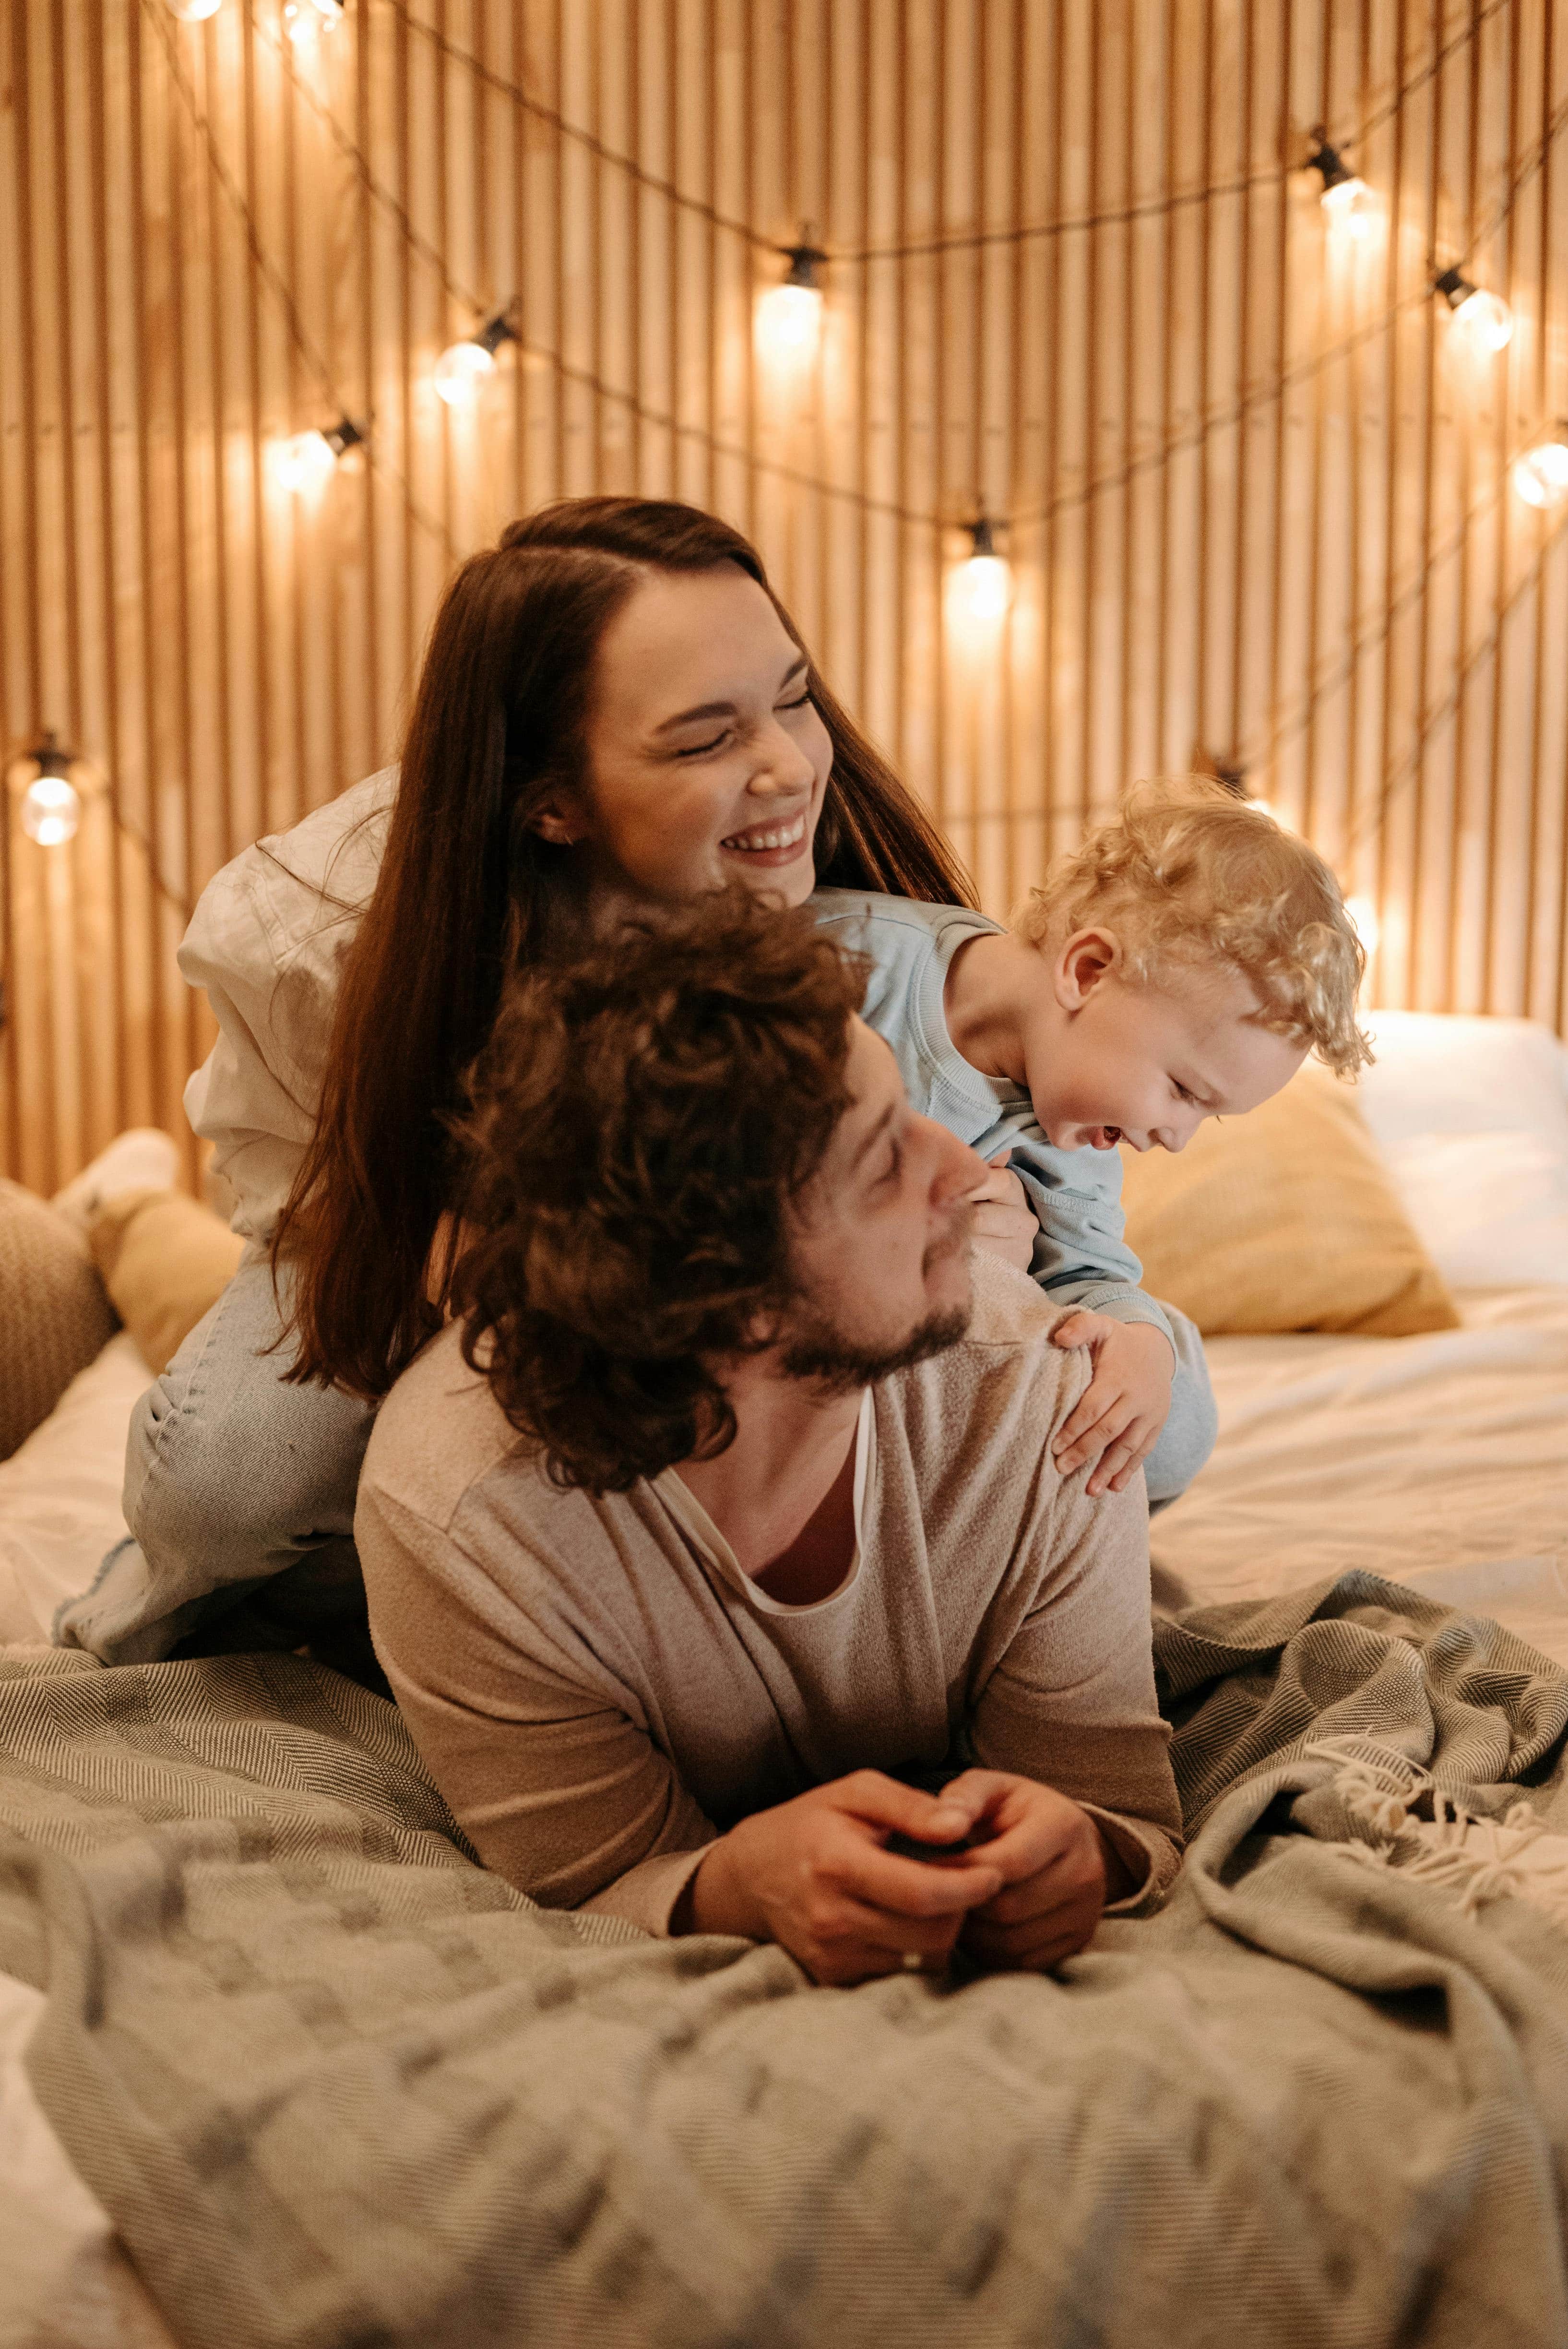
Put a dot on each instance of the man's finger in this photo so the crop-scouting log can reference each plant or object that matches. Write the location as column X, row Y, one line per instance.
column 884, row 1802
column 911, row 1887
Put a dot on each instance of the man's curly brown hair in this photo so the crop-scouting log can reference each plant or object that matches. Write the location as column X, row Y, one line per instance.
column 641, row 1122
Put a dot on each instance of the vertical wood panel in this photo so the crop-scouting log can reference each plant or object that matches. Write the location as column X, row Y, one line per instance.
column 1253, row 489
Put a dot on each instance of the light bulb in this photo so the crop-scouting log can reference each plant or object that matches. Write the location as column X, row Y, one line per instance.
column 51, row 811
column 1541, row 474
column 191, row 12
column 1351, row 204
column 305, row 18
column 1364, row 922
column 980, row 588
column 1486, row 319
column 461, row 371
column 789, row 323
column 305, row 463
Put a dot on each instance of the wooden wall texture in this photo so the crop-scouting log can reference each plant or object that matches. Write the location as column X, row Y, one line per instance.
column 1255, row 491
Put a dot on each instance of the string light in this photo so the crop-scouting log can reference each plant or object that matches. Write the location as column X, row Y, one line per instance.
column 1541, row 473
column 51, row 804
column 305, row 18
column 789, row 326
column 1346, row 198
column 1485, row 317
column 463, row 367
column 193, row 12
column 980, row 588
column 307, row 460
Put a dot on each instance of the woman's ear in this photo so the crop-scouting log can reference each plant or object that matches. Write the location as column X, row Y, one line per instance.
column 558, row 821
column 1088, row 956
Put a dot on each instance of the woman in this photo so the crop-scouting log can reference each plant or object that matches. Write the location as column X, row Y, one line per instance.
column 614, row 712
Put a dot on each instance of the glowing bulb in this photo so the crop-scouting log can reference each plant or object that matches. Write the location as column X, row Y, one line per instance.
column 1541, row 474
column 51, row 811
column 461, row 371
column 305, row 463
column 980, row 588
column 788, row 324
column 191, row 12
column 305, row 18
column 1364, row 922
column 1486, row 320
column 1351, row 204
column 1267, row 807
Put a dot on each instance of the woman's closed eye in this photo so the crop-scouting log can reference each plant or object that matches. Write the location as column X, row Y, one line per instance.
column 700, row 750
column 1182, row 1093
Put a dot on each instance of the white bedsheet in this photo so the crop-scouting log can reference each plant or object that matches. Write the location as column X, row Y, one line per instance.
column 1439, row 1461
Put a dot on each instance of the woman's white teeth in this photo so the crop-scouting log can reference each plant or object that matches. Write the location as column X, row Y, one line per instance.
column 780, row 836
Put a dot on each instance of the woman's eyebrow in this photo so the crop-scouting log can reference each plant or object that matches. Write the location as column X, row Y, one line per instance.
column 724, row 709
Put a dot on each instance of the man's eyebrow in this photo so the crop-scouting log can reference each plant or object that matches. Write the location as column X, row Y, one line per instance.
column 878, row 1129
column 723, row 709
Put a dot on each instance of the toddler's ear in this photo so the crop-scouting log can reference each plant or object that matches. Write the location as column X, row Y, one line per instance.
column 1088, row 957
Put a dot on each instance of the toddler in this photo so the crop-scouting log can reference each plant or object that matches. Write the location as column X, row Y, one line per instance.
column 1179, row 966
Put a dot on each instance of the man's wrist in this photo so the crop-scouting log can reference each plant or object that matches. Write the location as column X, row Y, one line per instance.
column 713, row 1901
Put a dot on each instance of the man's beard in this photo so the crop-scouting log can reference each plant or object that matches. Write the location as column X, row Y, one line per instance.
column 819, row 1350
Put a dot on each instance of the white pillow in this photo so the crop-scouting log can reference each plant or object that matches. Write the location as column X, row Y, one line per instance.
column 1472, row 1116
column 60, row 1492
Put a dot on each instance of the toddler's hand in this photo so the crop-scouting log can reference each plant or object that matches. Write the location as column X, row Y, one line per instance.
column 1005, row 1223
column 1126, row 1403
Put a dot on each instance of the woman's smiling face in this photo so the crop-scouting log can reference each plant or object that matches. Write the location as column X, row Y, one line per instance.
column 706, row 760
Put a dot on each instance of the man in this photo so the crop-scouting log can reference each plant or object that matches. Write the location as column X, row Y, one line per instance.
column 731, row 1496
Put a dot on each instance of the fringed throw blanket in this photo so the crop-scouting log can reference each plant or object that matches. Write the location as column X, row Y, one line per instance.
column 339, row 2088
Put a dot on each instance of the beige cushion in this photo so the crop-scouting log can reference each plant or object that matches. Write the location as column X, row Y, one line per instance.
column 55, row 1318
column 165, row 1258
column 1285, row 1220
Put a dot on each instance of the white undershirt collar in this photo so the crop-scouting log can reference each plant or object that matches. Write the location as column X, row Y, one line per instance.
column 713, row 1550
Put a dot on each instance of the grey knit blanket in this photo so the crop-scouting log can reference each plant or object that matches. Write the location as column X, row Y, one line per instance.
column 339, row 2088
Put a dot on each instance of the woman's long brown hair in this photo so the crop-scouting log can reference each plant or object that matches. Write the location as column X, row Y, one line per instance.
column 466, row 891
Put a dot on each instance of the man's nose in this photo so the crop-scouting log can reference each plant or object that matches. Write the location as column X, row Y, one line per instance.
column 958, row 1170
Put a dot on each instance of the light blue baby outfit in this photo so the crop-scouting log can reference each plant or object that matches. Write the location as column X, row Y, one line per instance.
column 1081, row 1256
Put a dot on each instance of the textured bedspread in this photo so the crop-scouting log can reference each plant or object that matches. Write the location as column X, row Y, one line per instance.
column 337, row 2086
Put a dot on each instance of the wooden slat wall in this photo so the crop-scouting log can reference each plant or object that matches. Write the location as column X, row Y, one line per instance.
column 1256, row 495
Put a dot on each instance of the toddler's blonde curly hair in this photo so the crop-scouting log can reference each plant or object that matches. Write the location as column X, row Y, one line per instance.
column 1188, row 874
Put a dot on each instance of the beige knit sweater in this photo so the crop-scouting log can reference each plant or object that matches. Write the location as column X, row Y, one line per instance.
column 597, row 1688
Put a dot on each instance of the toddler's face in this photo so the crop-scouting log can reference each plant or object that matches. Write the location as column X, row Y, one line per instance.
column 1148, row 1064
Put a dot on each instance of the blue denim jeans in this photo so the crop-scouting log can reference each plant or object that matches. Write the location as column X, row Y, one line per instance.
column 239, row 1495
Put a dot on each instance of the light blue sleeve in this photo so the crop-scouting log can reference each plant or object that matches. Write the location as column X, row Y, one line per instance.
column 1081, row 1255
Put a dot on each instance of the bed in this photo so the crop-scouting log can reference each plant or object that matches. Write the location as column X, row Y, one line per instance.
column 1439, row 1461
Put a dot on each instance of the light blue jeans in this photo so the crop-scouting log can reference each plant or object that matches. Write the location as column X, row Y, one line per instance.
column 240, row 1490
column 238, row 1494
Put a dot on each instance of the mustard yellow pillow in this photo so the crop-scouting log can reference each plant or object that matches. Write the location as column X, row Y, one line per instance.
column 164, row 1259
column 54, row 1315
column 1285, row 1220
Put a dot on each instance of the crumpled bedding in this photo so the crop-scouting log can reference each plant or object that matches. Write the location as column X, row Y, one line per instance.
column 1440, row 1461
column 336, row 2085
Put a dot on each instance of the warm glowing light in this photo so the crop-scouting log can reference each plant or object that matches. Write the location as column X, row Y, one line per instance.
column 1267, row 807
column 191, row 12
column 305, row 463
column 461, row 371
column 1365, row 921
column 51, row 811
column 789, row 323
column 302, row 19
column 1351, row 205
column 980, row 588
column 1541, row 474
column 1486, row 319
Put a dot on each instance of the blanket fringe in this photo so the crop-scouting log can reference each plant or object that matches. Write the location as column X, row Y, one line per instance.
column 1472, row 1859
